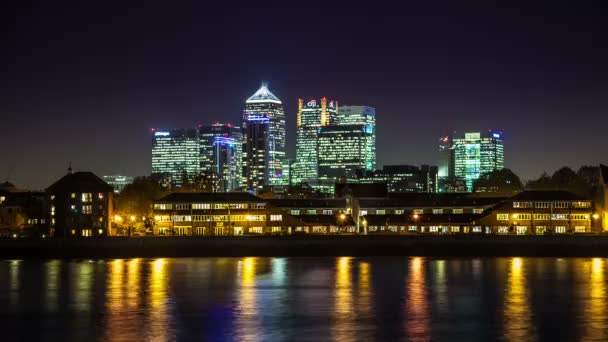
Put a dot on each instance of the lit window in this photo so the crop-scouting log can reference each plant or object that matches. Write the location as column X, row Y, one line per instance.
column 399, row 211
column 457, row 211
column 560, row 229
column 86, row 197
column 73, row 195
column 580, row 229
column 380, row 212
column 311, row 212
column 294, row 212
column 502, row 217
column 418, row 211
column 100, row 195
column 437, row 211
column 87, row 209
column 276, row 217
column 478, row 211
column 328, row 212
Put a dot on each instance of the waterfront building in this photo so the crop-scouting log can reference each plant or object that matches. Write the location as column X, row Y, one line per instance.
column 221, row 155
column 80, row 205
column 264, row 104
column 527, row 213
column 256, row 157
column 175, row 154
column 477, row 153
column 22, row 212
column 118, row 182
column 311, row 116
column 603, row 204
column 402, row 178
column 215, row 214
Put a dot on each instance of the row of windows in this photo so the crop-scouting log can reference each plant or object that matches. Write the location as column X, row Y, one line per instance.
column 85, row 197
column 436, row 211
column 312, row 212
column 218, row 218
column 520, row 230
column 557, row 205
column 208, row 206
column 540, row 217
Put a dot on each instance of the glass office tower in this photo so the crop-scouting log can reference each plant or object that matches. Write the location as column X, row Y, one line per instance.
column 221, row 155
column 265, row 104
column 175, row 154
column 477, row 153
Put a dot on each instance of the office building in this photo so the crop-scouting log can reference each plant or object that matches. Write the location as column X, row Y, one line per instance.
column 256, row 158
column 402, row 178
column 175, row 154
column 221, row 155
column 342, row 150
column 118, row 182
column 365, row 116
column 446, row 158
column 265, row 104
column 311, row 116
column 477, row 153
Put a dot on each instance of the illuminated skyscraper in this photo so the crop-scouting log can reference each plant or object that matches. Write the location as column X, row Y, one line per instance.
column 311, row 116
column 364, row 116
column 175, row 153
column 257, row 158
column 342, row 151
column 265, row 104
column 477, row 153
column 221, row 155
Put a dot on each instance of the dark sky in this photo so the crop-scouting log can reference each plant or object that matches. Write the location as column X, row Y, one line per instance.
column 85, row 81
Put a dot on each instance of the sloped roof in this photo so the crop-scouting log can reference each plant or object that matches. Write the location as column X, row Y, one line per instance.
column 308, row 203
column 263, row 95
column 204, row 197
column 80, row 182
column 545, row 195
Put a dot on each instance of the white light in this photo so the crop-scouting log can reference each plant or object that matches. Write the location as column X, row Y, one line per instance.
column 161, row 134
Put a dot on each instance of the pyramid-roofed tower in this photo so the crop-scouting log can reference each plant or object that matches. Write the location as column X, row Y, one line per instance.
column 263, row 95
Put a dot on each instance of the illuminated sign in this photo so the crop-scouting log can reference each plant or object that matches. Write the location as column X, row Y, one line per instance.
column 496, row 135
column 311, row 103
column 161, row 134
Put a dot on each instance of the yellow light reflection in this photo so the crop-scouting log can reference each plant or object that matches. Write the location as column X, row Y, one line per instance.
column 365, row 300
column 595, row 308
column 247, row 325
column 133, row 283
column 114, row 301
column 517, row 317
column 83, row 286
column 14, row 270
column 417, row 315
column 343, row 305
column 53, row 269
column 159, row 318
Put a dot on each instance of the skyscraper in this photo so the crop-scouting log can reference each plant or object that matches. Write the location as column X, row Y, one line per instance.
column 343, row 150
column 311, row 116
column 476, row 153
column 175, row 153
column 265, row 104
column 257, row 158
column 365, row 116
column 221, row 154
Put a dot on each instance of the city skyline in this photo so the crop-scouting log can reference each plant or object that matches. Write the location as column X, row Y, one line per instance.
column 88, row 93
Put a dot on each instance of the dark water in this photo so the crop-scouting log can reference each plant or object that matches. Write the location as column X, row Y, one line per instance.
column 308, row 299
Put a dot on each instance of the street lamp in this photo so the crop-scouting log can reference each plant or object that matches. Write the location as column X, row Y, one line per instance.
column 416, row 216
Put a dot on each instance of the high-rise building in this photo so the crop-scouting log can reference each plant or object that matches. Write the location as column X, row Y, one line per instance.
column 366, row 116
column 477, row 153
column 221, row 155
column 265, row 104
column 118, row 182
column 446, row 159
column 175, row 153
column 256, row 157
column 402, row 178
column 343, row 150
column 311, row 116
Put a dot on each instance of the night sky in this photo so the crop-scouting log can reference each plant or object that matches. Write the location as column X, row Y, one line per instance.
column 85, row 83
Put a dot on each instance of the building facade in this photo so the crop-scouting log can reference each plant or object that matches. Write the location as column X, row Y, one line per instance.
column 80, row 206
column 256, row 157
column 221, row 155
column 364, row 116
column 402, row 178
column 264, row 104
column 342, row 151
column 311, row 116
column 477, row 153
column 175, row 153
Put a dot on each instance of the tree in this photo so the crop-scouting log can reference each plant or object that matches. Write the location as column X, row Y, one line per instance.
column 136, row 198
column 564, row 179
column 502, row 181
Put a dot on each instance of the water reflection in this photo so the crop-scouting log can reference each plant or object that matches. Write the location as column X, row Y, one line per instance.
column 343, row 304
column 247, row 320
column 82, row 285
column 517, row 321
column 595, row 310
column 417, row 315
column 14, row 268
column 53, row 271
column 159, row 319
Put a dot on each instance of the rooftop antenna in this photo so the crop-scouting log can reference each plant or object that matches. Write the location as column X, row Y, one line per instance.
column 70, row 169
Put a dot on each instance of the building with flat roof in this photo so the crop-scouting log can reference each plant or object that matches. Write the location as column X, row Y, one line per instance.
column 175, row 153
column 477, row 153
column 221, row 155
column 118, row 182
